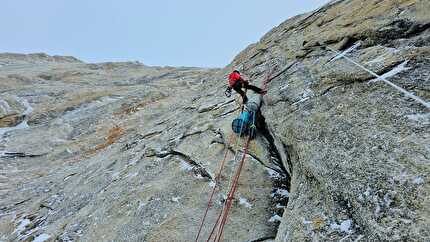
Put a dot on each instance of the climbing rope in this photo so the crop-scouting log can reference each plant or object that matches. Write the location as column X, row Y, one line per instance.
column 217, row 224
column 215, row 227
column 218, row 176
column 223, row 216
column 233, row 189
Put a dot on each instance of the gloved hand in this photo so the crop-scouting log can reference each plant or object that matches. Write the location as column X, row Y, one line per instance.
column 228, row 92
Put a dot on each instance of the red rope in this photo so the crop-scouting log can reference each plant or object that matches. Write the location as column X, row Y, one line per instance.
column 217, row 177
column 229, row 200
column 215, row 226
column 214, row 188
column 233, row 190
column 222, row 212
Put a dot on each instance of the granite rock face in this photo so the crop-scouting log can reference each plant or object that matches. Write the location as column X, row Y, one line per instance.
column 120, row 152
column 358, row 150
column 128, row 152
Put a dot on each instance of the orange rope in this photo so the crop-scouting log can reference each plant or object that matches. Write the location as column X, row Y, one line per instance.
column 215, row 227
column 233, row 190
column 219, row 226
column 217, row 178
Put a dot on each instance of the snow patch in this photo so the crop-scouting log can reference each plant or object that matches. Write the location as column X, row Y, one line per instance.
column 23, row 124
column 359, row 238
column 367, row 192
column 198, row 176
column 272, row 173
column 22, row 225
column 345, row 226
column 185, row 166
column 306, row 221
column 4, row 153
column 275, row 218
column 175, row 199
column 341, row 55
column 278, row 205
column 244, row 201
column 41, row 238
column 377, row 210
column 306, row 95
column 28, row 108
column 423, row 118
column 281, row 192
column 284, row 87
column 212, row 184
column 5, row 106
column 141, row 205
column 401, row 67
column 396, row 70
column 286, row 236
column 132, row 162
column 418, row 180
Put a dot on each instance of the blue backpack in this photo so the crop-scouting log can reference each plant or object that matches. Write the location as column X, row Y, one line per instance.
column 243, row 125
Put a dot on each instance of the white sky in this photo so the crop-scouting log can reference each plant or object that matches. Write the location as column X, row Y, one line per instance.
column 162, row 32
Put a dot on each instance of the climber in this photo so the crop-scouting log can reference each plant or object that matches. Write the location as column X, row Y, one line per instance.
column 236, row 82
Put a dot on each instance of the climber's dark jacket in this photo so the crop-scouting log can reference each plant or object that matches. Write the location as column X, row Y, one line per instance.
column 236, row 82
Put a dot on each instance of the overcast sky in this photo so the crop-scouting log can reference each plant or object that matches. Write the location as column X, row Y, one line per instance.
column 159, row 32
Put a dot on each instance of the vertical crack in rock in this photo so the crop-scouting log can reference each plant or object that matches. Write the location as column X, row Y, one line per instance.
column 276, row 149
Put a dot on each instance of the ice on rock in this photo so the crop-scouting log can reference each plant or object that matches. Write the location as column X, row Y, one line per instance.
column 275, row 218
column 400, row 68
column 212, row 184
column 5, row 106
column 244, row 201
column 423, row 118
column 41, row 238
column 185, row 166
column 23, row 124
column 22, row 225
column 272, row 173
column 281, row 192
column 344, row 227
column 418, row 180
column 341, row 55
